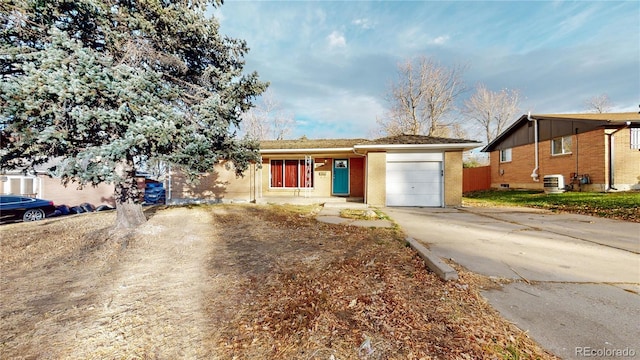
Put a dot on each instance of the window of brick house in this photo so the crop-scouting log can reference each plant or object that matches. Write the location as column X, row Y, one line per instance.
column 289, row 174
column 505, row 155
column 561, row 145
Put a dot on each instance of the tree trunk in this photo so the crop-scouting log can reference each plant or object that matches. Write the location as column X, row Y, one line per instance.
column 129, row 215
column 129, row 212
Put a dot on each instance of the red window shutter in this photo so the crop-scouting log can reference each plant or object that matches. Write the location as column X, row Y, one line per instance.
column 291, row 173
column 276, row 173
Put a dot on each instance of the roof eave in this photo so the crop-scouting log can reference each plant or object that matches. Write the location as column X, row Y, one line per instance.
column 450, row 146
column 489, row 147
column 632, row 120
column 306, row 150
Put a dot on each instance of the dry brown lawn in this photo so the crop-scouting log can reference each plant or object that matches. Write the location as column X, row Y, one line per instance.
column 236, row 281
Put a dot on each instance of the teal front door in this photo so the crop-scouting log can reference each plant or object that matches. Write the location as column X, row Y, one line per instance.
column 341, row 177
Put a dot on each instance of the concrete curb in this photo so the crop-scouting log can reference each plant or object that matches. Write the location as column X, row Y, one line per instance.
column 444, row 271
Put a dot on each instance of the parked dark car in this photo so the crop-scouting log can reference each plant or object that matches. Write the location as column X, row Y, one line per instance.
column 15, row 207
column 154, row 193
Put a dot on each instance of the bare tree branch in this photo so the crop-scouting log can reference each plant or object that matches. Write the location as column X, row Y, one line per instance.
column 493, row 111
column 422, row 95
column 267, row 120
column 599, row 104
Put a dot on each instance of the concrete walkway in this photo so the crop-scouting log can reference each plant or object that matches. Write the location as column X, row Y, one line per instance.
column 576, row 287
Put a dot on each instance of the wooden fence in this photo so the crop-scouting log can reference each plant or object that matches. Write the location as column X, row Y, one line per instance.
column 474, row 179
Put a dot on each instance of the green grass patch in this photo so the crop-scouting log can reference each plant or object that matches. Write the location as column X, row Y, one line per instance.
column 618, row 205
column 537, row 198
column 359, row 214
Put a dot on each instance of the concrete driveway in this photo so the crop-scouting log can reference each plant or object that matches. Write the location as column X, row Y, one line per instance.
column 577, row 278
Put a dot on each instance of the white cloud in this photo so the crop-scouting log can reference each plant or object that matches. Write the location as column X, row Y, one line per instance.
column 337, row 40
column 337, row 88
column 415, row 37
column 440, row 40
column 363, row 23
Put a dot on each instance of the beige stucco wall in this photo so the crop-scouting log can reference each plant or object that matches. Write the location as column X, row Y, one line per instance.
column 453, row 178
column 223, row 186
column 220, row 185
column 376, row 172
column 626, row 162
column 71, row 195
column 322, row 176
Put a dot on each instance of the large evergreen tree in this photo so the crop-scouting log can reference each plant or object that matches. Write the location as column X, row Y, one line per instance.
column 104, row 85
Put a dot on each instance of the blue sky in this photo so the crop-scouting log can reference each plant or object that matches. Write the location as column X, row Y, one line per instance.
column 330, row 63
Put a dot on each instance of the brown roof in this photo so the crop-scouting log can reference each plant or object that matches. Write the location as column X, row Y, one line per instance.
column 349, row 143
column 613, row 117
column 310, row 144
column 416, row 140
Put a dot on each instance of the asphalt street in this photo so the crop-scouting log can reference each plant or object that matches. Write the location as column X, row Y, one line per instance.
column 576, row 287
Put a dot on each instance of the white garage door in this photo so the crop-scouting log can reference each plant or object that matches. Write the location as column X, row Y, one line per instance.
column 414, row 181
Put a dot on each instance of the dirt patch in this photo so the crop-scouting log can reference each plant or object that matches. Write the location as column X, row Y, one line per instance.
column 237, row 282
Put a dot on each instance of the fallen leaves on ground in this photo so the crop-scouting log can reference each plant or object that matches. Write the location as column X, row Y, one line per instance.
column 263, row 282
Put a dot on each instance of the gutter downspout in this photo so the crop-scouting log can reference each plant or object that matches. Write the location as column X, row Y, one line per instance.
column 357, row 153
column 534, row 173
column 577, row 154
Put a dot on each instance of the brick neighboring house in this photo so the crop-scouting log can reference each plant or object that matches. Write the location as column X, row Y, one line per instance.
column 593, row 152
column 407, row 170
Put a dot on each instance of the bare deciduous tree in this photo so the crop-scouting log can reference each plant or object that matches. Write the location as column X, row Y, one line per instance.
column 267, row 120
column 599, row 104
column 493, row 111
column 423, row 94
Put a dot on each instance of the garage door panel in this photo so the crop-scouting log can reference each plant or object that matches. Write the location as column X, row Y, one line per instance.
column 417, row 183
column 414, row 176
column 415, row 188
column 424, row 187
column 419, row 192
column 415, row 157
column 413, row 166
column 413, row 200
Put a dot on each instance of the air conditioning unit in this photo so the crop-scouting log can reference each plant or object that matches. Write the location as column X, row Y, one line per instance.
column 554, row 184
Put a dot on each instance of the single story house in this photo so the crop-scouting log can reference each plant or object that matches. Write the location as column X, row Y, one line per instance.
column 406, row 170
column 44, row 186
column 591, row 152
column 38, row 183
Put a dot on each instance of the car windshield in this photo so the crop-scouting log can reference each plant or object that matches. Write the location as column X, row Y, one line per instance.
column 14, row 199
